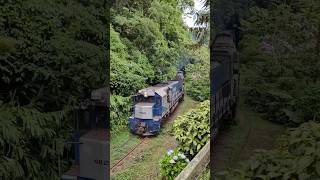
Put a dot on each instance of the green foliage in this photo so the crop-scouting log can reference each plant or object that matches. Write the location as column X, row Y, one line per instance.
column 279, row 55
column 279, row 61
column 192, row 130
column 158, row 34
column 56, row 55
column 172, row 164
column 50, row 58
column 297, row 157
column 205, row 175
column 119, row 111
column 197, row 75
column 33, row 143
column 309, row 103
column 148, row 41
column 128, row 72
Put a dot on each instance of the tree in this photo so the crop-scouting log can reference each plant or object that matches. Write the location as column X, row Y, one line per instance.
column 51, row 57
column 151, row 38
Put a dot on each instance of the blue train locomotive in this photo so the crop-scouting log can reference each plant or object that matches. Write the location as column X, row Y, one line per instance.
column 152, row 105
column 224, row 76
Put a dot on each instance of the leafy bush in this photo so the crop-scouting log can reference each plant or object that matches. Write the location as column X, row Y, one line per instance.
column 192, row 130
column 51, row 57
column 297, row 157
column 119, row 112
column 129, row 69
column 157, row 34
column 279, row 61
column 172, row 164
column 54, row 56
column 197, row 75
column 32, row 143
column 309, row 103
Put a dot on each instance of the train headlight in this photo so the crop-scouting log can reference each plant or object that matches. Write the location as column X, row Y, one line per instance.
column 145, row 94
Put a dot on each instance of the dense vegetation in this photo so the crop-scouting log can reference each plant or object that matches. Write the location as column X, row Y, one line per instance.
column 192, row 130
column 172, row 164
column 149, row 43
column 51, row 57
column 297, row 157
column 285, row 65
column 279, row 49
column 197, row 75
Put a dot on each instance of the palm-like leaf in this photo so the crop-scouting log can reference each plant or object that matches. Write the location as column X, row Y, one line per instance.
column 201, row 31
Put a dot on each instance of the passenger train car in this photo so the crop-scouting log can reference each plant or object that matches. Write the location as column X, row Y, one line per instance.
column 152, row 105
column 224, row 77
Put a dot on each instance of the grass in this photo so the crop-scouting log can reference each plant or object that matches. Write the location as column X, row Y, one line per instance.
column 145, row 163
column 187, row 104
column 238, row 143
column 120, row 144
column 205, row 175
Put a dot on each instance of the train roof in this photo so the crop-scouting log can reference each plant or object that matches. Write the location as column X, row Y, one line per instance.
column 223, row 41
column 160, row 89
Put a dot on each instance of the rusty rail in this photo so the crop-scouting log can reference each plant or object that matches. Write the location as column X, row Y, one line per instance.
column 126, row 155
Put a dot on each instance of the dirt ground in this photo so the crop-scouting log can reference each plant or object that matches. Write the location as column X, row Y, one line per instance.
column 239, row 142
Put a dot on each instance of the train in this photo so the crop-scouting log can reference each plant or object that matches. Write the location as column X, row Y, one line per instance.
column 224, row 79
column 151, row 106
column 90, row 138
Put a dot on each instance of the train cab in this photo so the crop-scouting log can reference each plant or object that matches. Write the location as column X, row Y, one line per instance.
column 147, row 107
column 89, row 143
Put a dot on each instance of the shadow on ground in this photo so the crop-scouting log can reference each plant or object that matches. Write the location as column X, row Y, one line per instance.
column 238, row 143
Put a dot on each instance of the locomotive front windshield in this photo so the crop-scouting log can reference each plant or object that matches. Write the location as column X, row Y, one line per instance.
column 141, row 98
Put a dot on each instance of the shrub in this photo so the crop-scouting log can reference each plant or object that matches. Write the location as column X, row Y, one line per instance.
column 297, row 157
column 120, row 111
column 32, row 143
column 172, row 164
column 309, row 103
column 192, row 130
column 52, row 57
column 276, row 59
column 197, row 76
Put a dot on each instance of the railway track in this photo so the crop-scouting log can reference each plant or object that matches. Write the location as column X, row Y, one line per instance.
column 143, row 139
column 173, row 115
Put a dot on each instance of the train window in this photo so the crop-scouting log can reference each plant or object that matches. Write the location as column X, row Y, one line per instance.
column 135, row 99
column 141, row 98
column 148, row 99
column 138, row 99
